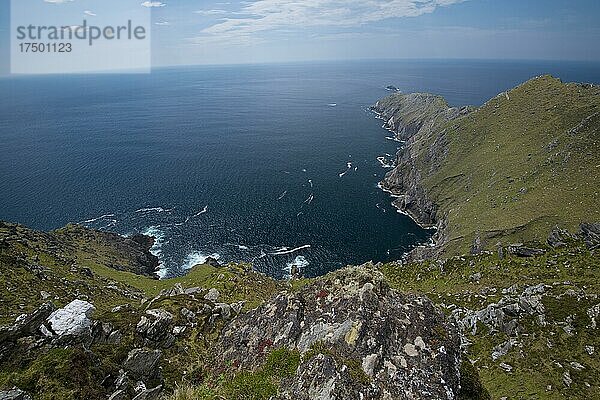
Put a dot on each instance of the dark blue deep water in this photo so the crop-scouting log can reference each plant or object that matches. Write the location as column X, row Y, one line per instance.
column 239, row 162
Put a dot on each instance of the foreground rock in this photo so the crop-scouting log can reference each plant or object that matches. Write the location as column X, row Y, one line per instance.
column 73, row 319
column 359, row 340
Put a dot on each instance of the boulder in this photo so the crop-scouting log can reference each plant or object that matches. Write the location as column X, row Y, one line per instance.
column 155, row 327
column 520, row 250
column 73, row 319
column 26, row 324
column 590, row 233
column 142, row 364
column 351, row 324
column 212, row 295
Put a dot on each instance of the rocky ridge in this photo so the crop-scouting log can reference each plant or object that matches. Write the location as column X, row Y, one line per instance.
column 481, row 176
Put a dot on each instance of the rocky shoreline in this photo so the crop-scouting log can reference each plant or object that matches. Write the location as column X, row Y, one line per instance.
column 411, row 117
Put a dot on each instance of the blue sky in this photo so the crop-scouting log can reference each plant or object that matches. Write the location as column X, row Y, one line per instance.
column 224, row 32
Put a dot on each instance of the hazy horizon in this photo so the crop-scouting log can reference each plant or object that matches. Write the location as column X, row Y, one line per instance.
column 282, row 31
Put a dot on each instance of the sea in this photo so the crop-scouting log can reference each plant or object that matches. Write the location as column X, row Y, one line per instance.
column 270, row 164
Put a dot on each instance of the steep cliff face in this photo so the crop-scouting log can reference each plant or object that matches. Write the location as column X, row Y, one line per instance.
column 417, row 119
column 507, row 172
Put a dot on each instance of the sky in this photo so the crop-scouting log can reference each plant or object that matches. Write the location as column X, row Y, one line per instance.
column 189, row 32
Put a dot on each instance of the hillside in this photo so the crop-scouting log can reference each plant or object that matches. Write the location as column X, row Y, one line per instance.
column 82, row 315
column 507, row 172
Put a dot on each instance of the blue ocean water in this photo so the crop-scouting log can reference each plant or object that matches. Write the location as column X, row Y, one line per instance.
column 270, row 164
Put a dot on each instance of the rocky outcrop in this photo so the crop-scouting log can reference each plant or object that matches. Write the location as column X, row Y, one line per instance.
column 14, row 394
column 130, row 254
column 417, row 119
column 358, row 338
column 26, row 324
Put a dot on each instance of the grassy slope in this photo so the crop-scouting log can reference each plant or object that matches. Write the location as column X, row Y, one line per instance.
column 32, row 262
column 523, row 163
column 538, row 369
column 21, row 287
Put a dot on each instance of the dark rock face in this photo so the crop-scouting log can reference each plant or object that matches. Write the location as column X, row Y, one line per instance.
column 27, row 324
column 359, row 340
column 523, row 251
column 590, row 233
column 415, row 118
column 142, row 364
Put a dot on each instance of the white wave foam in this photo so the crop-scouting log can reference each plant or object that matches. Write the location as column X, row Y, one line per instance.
column 282, row 195
column 197, row 258
column 98, row 218
column 392, row 194
column 156, row 248
column 199, row 213
column 349, row 166
column 310, row 199
column 393, row 139
column 332, row 104
column 111, row 223
column 299, row 262
column 382, row 160
column 283, row 252
column 310, row 182
column 153, row 209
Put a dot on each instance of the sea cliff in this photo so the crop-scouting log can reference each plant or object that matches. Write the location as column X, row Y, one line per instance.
column 507, row 172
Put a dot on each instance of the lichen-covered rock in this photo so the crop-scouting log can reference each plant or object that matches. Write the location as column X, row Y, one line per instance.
column 14, row 394
column 73, row 319
column 359, row 339
column 26, row 324
column 155, row 328
column 142, row 364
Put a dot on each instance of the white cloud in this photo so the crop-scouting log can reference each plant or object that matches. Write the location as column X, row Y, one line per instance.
column 90, row 13
column 210, row 12
column 153, row 4
column 57, row 1
column 162, row 23
column 264, row 15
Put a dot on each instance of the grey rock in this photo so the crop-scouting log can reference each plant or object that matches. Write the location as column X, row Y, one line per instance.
column 560, row 237
column 119, row 395
column 594, row 313
column 149, row 394
column 14, row 394
column 357, row 317
column 192, row 291
column 224, row 310
column 142, row 364
column 506, row 367
column 103, row 333
column 189, row 315
column 73, row 319
column 212, row 295
column 155, row 327
column 590, row 233
column 566, row 378
column 26, row 324
column 523, row 251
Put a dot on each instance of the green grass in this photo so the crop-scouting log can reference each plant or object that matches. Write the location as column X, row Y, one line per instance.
column 536, row 374
column 523, row 163
column 260, row 384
